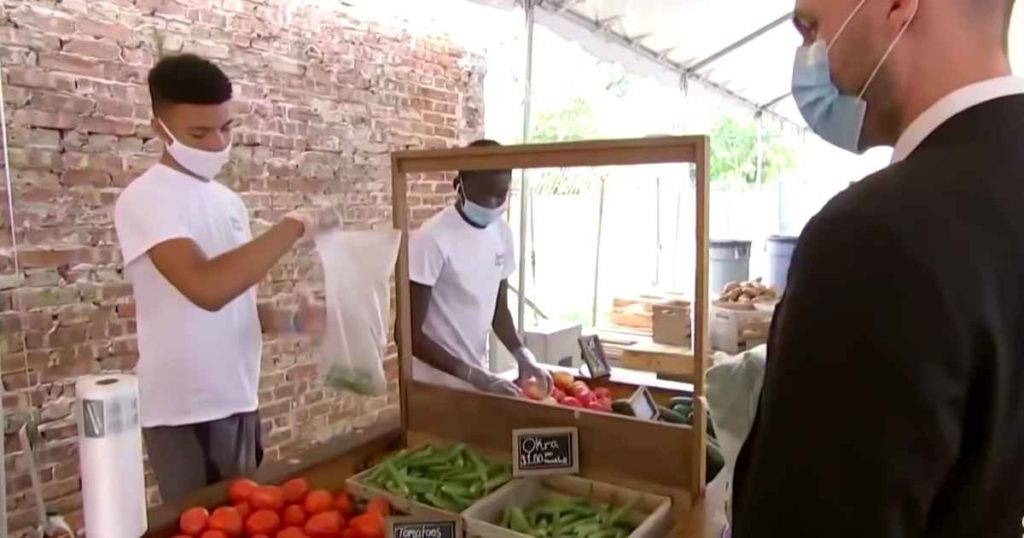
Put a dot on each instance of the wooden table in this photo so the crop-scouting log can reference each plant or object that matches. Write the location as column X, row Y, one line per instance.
column 669, row 362
column 329, row 464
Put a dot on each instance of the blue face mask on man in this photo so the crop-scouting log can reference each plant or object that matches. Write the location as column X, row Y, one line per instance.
column 478, row 214
column 837, row 118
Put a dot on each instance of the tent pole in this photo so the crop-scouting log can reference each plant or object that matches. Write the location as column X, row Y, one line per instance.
column 524, row 188
column 597, row 255
column 760, row 150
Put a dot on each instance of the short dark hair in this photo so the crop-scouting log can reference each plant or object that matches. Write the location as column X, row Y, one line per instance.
column 187, row 79
column 482, row 143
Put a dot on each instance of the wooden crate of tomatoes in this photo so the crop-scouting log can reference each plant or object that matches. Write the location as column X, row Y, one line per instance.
column 291, row 510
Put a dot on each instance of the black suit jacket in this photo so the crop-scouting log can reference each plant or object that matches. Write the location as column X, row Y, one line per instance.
column 893, row 402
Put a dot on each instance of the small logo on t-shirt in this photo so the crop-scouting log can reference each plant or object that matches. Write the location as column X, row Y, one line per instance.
column 236, row 222
column 499, row 260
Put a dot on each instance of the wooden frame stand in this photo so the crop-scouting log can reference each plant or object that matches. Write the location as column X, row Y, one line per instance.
column 664, row 459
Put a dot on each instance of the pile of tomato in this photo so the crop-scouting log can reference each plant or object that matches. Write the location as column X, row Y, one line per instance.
column 290, row 510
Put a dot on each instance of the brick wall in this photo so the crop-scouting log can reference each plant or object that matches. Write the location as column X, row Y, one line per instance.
column 322, row 98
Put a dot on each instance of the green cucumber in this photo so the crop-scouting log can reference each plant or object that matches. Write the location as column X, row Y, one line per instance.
column 622, row 407
column 673, row 417
column 681, row 400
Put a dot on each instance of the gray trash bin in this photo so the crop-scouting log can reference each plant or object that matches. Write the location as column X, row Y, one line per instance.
column 730, row 261
column 780, row 251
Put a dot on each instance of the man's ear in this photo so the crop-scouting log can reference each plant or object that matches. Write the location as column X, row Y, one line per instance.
column 901, row 13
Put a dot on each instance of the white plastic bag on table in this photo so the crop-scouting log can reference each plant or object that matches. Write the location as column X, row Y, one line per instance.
column 357, row 280
column 733, row 386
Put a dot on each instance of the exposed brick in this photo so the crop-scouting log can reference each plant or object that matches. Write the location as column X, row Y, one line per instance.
column 321, row 103
column 86, row 178
column 46, row 20
column 33, row 158
column 66, row 63
column 93, row 48
column 109, row 30
column 33, row 77
column 47, row 257
column 108, row 126
column 24, row 37
column 61, row 102
column 42, row 118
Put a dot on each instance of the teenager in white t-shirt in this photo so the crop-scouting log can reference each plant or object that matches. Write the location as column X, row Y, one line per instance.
column 194, row 266
column 459, row 263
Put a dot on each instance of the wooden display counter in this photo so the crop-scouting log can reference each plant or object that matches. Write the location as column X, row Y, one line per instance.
column 664, row 460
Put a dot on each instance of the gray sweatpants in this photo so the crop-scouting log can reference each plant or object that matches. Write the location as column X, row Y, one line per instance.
column 189, row 457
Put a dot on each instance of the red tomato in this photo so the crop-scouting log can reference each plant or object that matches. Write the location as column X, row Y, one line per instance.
column 263, row 522
column 325, row 525
column 368, row 525
column 379, row 506
column 582, row 393
column 318, row 501
column 193, row 521
column 563, row 380
column 240, row 489
column 244, row 509
column 293, row 516
column 603, row 392
column 214, row 534
column 558, row 394
column 269, row 497
column 606, row 404
column 295, row 490
column 226, row 519
column 569, row 401
column 260, row 536
column 291, row 532
column 343, row 504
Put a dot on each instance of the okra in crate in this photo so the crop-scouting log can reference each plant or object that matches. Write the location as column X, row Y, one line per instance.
column 568, row 507
column 431, row 481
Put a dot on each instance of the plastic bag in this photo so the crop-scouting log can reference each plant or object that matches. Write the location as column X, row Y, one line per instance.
column 357, row 280
column 733, row 387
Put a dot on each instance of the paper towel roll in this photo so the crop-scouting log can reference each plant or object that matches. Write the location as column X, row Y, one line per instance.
column 110, row 454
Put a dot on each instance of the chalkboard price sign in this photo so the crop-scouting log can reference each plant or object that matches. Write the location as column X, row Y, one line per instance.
column 545, row 451
column 593, row 356
column 415, row 527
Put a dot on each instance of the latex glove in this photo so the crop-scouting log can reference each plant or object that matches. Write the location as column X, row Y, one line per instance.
column 487, row 382
column 311, row 318
column 314, row 220
column 529, row 368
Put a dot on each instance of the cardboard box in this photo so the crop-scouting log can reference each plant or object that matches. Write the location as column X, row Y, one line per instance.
column 555, row 343
column 672, row 325
column 735, row 331
column 652, row 513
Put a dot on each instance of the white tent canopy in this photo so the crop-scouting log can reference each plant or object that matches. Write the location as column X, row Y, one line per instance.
column 742, row 49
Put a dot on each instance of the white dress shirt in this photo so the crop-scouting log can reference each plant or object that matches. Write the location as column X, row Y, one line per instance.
column 944, row 109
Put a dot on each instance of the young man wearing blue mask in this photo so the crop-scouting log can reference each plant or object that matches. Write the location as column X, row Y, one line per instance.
column 459, row 261
column 194, row 265
column 894, row 386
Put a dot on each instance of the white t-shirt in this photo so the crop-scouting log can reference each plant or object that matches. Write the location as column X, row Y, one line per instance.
column 464, row 266
column 194, row 366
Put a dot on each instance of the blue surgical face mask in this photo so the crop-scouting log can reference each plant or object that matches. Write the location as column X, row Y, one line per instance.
column 837, row 118
column 478, row 214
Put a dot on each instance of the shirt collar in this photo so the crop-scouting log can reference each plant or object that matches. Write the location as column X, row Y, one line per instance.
column 951, row 105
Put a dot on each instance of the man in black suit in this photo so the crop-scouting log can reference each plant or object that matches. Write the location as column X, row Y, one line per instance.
column 893, row 401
